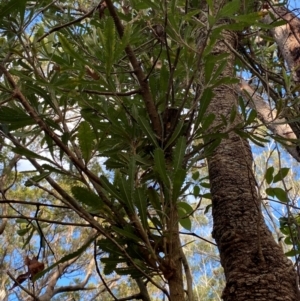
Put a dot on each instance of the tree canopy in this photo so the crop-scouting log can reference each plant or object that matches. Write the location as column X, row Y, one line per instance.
column 125, row 129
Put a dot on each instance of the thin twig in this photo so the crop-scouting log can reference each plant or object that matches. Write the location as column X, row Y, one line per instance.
column 59, row 27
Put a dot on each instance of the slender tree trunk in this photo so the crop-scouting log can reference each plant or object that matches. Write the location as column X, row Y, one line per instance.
column 254, row 264
column 173, row 262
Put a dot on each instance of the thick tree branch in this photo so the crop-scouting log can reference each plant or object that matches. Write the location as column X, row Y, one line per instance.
column 277, row 125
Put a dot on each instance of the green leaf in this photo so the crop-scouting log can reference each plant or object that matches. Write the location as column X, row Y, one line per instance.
column 178, row 181
column 11, row 6
column 109, row 247
column 206, row 196
column 225, row 81
column 86, row 140
column 196, row 190
column 125, row 192
column 110, row 188
column 154, row 200
column 249, row 19
column 146, row 128
column 230, row 8
column 282, row 173
column 140, row 201
column 196, row 175
column 53, row 169
column 127, row 232
column 205, row 185
column 219, row 70
column 292, row 253
column 160, row 166
column 279, row 193
column 186, row 207
column 175, row 134
column 109, row 44
column 178, row 153
column 24, row 231
column 251, row 117
column 29, row 154
column 131, row 175
column 36, row 179
column 87, row 197
column 69, row 48
column 204, row 102
column 15, row 118
column 186, row 223
column 207, row 208
column 269, row 174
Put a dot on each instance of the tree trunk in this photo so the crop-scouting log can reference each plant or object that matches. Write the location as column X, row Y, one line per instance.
column 172, row 265
column 254, row 264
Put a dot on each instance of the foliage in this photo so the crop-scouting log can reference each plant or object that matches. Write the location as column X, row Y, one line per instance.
column 109, row 110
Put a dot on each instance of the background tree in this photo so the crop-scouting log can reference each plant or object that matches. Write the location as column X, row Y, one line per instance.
column 116, row 107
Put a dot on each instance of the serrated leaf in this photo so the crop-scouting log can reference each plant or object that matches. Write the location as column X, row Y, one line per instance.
column 154, row 199
column 140, row 200
column 125, row 192
column 110, row 188
column 269, row 174
column 160, row 166
column 146, row 128
column 85, row 138
column 126, row 233
column 109, row 268
column 109, row 247
column 178, row 153
column 69, row 48
column 131, row 175
column 87, row 197
column 175, row 134
column 15, row 118
column 282, row 173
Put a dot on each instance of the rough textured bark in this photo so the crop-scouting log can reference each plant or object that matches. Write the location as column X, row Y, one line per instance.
column 254, row 264
column 172, row 266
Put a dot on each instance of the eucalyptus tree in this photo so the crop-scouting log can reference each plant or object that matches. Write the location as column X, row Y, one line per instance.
column 124, row 100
